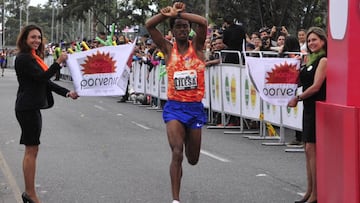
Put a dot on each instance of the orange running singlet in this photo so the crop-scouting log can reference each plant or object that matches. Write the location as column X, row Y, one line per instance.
column 185, row 76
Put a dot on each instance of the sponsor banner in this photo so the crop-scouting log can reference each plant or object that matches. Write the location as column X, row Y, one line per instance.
column 154, row 75
column 292, row 116
column 215, row 88
column 272, row 113
column 206, row 99
column 275, row 79
column 163, row 85
column 64, row 71
column 231, row 89
column 139, row 71
column 102, row 71
column 250, row 99
column 148, row 81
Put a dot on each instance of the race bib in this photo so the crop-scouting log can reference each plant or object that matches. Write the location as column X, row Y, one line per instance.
column 185, row 80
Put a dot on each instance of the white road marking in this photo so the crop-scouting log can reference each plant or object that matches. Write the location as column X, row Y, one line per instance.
column 10, row 178
column 140, row 125
column 10, row 141
column 214, row 156
column 99, row 107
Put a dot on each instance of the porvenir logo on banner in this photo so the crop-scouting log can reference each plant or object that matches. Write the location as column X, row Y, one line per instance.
column 275, row 79
column 280, row 82
column 101, row 71
column 281, row 74
column 98, row 63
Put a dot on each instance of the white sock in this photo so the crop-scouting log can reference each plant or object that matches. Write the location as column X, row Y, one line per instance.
column 175, row 201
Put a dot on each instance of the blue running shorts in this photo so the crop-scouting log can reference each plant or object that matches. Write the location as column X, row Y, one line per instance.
column 190, row 114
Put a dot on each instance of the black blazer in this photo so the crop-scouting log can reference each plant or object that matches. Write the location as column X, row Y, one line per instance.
column 35, row 86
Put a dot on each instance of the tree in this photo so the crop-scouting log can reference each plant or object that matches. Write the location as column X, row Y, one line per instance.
column 12, row 18
column 106, row 12
column 294, row 14
column 92, row 16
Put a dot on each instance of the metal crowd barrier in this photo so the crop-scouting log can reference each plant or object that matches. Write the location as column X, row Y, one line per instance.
column 280, row 116
column 228, row 91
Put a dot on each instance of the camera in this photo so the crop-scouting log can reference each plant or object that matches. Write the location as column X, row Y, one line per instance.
column 264, row 29
column 265, row 40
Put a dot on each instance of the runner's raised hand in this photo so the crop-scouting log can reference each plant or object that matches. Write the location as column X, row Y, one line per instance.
column 168, row 11
column 179, row 7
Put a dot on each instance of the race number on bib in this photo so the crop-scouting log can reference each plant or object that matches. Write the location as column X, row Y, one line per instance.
column 185, row 80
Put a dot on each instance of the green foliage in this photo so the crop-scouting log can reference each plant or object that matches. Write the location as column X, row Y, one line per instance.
column 294, row 14
column 12, row 19
column 92, row 16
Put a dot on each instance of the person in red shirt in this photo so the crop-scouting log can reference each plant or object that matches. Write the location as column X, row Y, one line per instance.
column 183, row 113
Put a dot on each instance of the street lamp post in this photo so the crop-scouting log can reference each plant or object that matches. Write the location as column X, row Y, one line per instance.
column 52, row 21
column 3, row 26
column 63, row 5
column 57, row 26
column 20, row 17
column 207, row 9
column 27, row 11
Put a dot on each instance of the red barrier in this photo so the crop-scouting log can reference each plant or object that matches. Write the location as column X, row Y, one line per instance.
column 337, row 153
column 338, row 119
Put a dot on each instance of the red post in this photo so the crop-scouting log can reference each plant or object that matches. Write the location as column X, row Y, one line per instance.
column 338, row 118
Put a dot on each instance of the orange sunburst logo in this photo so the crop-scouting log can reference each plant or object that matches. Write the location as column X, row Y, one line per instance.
column 99, row 63
column 283, row 73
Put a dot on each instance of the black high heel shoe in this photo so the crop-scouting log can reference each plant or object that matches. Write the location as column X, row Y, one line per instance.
column 26, row 198
column 303, row 200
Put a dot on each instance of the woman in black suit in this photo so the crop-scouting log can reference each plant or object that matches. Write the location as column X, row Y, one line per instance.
column 34, row 93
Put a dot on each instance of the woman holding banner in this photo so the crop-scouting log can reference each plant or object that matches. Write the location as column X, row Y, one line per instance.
column 34, row 93
column 183, row 113
column 313, row 79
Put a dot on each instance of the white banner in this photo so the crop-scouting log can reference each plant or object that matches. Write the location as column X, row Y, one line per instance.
column 102, row 71
column 275, row 79
column 250, row 99
column 206, row 99
column 163, row 77
column 272, row 113
column 139, row 71
column 292, row 117
column 231, row 84
column 215, row 88
column 154, row 74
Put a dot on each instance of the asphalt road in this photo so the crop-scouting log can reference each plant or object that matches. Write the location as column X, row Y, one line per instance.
column 97, row 150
